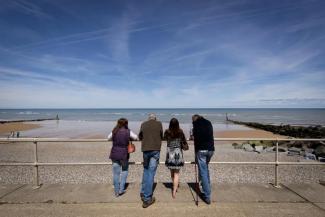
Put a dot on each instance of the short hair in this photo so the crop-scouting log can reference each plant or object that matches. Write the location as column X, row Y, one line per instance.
column 152, row 116
column 195, row 117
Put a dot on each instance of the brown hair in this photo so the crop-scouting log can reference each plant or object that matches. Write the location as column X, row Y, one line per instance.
column 122, row 122
column 174, row 130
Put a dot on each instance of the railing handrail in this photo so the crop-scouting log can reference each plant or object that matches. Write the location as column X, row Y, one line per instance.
column 106, row 140
column 36, row 164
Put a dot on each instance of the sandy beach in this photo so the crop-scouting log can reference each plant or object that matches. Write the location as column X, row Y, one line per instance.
column 100, row 129
column 9, row 127
column 251, row 133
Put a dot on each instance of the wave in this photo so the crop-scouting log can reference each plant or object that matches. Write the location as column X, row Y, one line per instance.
column 113, row 113
column 179, row 114
column 28, row 113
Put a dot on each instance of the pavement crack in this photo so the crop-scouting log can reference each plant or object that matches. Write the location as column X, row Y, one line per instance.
column 12, row 191
column 308, row 201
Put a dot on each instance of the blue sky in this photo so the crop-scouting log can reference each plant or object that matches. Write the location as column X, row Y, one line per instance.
column 137, row 54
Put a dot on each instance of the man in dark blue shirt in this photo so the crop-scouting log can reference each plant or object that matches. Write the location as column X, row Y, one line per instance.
column 204, row 149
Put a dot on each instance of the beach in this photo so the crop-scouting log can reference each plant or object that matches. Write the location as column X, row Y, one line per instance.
column 9, row 127
column 249, row 133
column 92, row 125
column 100, row 129
column 98, row 152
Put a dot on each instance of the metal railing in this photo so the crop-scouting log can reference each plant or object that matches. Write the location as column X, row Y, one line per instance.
column 36, row 164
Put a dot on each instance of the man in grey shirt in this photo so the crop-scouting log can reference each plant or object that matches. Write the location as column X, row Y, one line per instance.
column 151, row 134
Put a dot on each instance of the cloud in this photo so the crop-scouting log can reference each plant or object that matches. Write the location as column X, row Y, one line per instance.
column 30, row 8
column 215, row 57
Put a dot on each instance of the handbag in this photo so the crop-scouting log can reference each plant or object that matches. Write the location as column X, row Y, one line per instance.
column 185, row 146
column 131, row 147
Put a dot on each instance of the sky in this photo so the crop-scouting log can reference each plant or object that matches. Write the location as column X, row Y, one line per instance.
column 162, row 54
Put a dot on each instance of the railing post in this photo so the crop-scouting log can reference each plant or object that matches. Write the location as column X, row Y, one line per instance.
column 276, row 178
column 36, row 175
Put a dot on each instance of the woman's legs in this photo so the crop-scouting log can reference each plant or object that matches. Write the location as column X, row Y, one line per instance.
column 175, row 181
column 124, row 175
column 172, row 174
column 116, row 177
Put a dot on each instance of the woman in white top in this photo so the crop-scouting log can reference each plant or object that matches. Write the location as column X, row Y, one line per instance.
column 121, row 135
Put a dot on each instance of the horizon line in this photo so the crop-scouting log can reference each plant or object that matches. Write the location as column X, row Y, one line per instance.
column 169, row 108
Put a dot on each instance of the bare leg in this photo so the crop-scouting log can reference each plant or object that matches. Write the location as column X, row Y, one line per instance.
column 172, row 177
column 175, row 182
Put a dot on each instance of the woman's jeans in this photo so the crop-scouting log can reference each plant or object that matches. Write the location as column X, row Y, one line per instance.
column 120, row 174
column 150, row 164
column 203, row 158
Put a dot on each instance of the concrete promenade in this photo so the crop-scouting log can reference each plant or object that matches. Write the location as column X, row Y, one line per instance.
column 98, row 200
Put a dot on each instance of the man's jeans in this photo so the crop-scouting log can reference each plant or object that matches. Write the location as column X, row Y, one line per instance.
column 119, row 177
column 203, row 158
column 150, row 164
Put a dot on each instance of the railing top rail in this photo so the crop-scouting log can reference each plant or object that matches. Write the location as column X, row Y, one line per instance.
column 105, row 140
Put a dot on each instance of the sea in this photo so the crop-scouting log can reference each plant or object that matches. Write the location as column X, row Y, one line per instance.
column 87, row 123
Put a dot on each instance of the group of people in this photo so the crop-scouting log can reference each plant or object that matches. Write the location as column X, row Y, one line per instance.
column 13, row 134
column 151, row 135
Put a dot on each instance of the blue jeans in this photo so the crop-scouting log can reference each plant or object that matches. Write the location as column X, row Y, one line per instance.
column 120, row 173
column 150, row 164
column 203, row 158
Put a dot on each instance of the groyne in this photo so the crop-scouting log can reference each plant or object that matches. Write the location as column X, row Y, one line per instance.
column 286, row 130
column 30, row 120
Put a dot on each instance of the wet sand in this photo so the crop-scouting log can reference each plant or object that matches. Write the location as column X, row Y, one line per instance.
column 89, row 130
column 252, row 133
column 9, row 127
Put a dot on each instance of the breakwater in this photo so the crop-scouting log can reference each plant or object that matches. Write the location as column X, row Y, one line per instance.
column 287, row 130
column 31, row 120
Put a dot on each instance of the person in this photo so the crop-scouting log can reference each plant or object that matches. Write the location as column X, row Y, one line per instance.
column 121, row 135
column 204, row 150
column 174, row 154
column 150, row 134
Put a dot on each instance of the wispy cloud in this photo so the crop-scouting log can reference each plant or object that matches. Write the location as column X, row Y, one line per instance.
column 237, row 54
column 30, row 8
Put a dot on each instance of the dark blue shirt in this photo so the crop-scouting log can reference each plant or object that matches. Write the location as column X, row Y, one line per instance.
column 203, row 135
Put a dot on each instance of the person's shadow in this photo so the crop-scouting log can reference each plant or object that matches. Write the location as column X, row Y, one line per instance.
column 195, row 191
column 168, row 185
column 194, row 188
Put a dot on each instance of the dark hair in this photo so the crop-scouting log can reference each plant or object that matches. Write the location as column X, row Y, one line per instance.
column 174, row 129
column 122, row 122
column 196, row 117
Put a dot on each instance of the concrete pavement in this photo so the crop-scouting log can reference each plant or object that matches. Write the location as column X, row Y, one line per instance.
column 99, row 200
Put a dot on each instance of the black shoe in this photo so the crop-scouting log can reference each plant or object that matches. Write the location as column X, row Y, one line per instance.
column 122, row 192
column 206, row 200
column 149, row 202
column 142, row 197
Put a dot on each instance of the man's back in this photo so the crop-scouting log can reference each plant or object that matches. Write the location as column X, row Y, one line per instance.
column 151, row 132
column 203, row 135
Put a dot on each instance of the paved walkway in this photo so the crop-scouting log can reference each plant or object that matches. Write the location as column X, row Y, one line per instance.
column 98, row 200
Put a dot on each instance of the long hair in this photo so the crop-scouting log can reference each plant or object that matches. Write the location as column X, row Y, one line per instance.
column 122, row 122
column 174, row 129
